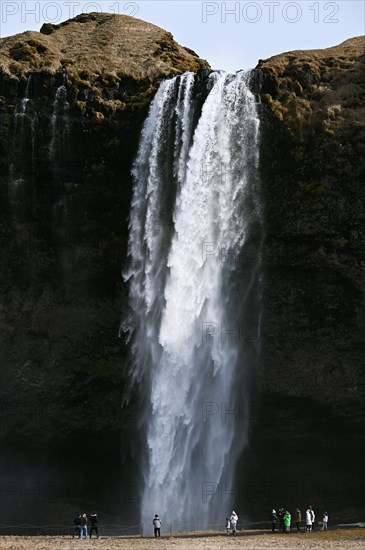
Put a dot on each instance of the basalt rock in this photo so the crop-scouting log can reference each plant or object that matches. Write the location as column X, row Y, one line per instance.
column 314, row 112
column 311, row 383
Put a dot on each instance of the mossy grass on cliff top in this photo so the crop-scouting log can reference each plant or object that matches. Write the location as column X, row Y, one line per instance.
column 316, row 90
column 114, row 46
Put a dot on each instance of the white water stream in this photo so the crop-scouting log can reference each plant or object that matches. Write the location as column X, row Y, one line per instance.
column 189, row 225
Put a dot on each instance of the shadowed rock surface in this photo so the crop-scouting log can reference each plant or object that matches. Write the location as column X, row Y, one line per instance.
column 314, row 109
column 311, row 388
column 63, row 232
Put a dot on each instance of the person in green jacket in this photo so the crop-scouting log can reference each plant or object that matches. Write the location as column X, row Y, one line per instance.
column 287, row 521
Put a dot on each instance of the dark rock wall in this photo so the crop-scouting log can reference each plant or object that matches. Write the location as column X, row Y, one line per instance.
column 63, row 241
column 307, row 442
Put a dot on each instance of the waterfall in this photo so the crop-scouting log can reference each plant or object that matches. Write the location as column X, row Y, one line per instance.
column 22, row 165
column 195, row 207
column 59, row 128
column 23, row 105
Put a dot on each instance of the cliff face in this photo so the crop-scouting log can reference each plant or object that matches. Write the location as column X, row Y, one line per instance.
column 313, row 106
column 65, row 156
column 313, row 330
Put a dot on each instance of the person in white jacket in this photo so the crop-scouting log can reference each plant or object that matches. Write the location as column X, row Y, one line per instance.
column 308, row 519
column 157, row 526
column 313, row 516
column 233, row 519
column 324, row 521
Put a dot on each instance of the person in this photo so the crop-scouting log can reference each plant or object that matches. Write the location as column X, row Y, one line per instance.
column 77, row 526
column 298, row 519
column 233, row 519
column 281, row 521
column 274, row 517
column 287, row 521
column 83, row 526
column 94, row 524
column 228, row 524
column 324, row 521
column 313, row 516
column 308, row 519
column 157, row 526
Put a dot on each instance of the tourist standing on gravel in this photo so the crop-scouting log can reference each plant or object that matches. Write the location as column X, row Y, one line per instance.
column 281, row 521
column 228, row 524
column 157, row 526
column 83, row 526
column 313, row 516
column 233, row 519
column 308, row 519
column 324, row 521
column 274, row 517
column 298, row 519
column 287, row 521
column 77, row 526
column 94, row 524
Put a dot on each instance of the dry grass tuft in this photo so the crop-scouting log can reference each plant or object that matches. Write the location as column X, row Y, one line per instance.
column 114, row 46
column 317, row 90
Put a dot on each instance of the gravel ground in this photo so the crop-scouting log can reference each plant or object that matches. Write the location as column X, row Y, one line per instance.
column 348, row 539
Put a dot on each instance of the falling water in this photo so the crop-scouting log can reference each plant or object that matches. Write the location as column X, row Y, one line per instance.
column 23, row 105
column 194, row 204
column 59, row 128
column 24, row 134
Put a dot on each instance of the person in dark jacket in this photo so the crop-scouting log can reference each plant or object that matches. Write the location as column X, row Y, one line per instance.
column 77, row 526
column 83, row 526
column 274, row 517
column 94, row 524
column 298, row 519
column 281, row 520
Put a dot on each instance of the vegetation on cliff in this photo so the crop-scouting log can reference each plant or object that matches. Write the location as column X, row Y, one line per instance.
column 316, row 90
column 114, row 58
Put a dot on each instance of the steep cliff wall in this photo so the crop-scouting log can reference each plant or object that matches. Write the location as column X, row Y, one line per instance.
column 313, row 105
column 313, row 331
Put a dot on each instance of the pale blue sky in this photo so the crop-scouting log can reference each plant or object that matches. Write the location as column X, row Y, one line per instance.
column 230, row 35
